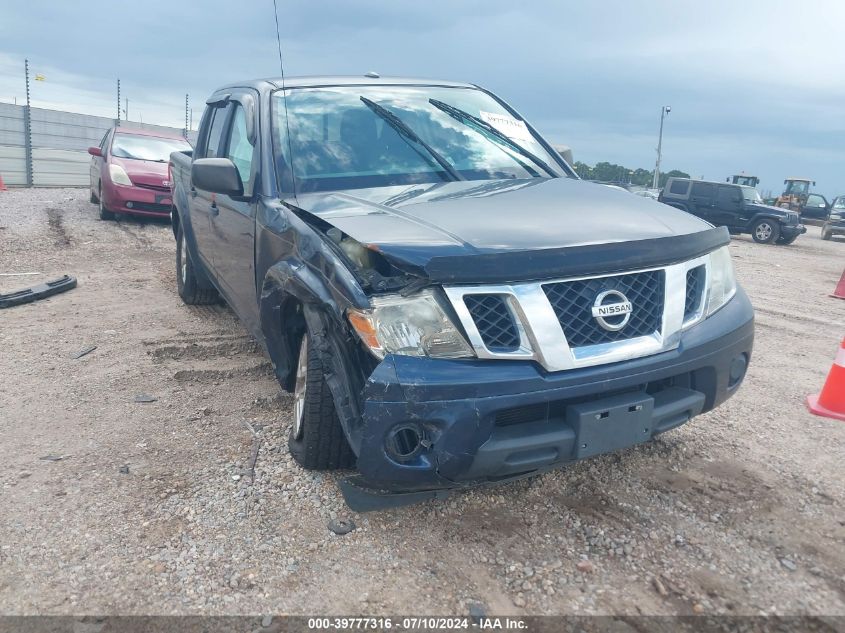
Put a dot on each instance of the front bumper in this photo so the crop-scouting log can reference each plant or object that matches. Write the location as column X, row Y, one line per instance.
column 137, row 200
column 835, row 228
column 788, row 230
column 487, row 421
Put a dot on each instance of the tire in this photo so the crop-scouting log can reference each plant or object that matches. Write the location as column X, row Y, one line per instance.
column 316, row 440
column 786, row 241
column 93, row 198
column 826, row 233
column 105, row 214
column 189, row 287
column 765, row 231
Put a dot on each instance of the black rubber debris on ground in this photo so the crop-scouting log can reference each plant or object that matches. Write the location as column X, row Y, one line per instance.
column 41, row 291
column 341, row 526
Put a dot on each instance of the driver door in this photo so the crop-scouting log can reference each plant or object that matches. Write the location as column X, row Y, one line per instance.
column 727, row 207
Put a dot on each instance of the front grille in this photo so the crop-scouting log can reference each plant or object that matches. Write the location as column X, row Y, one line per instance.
column 494, row 321
column 150, row 206
column 573, row 301
column 695, row 291
column 152, row 187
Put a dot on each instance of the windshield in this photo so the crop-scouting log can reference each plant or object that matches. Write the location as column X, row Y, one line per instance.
column 751, row 195
column 350, row 137
column 147, row 147
column 839, row 203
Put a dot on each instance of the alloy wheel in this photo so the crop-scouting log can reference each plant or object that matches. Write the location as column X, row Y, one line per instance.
column 183, row 259
column 299, row 389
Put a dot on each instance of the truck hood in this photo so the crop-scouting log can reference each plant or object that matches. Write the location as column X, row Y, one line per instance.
column 767, row 208
column 422, row 225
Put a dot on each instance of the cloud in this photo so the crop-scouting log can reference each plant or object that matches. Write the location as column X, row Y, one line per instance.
column 753, row 85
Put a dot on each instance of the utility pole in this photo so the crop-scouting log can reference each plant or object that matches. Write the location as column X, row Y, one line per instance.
column 663, row 112
column 187, row 122
column 118, row 103
column 27, row 125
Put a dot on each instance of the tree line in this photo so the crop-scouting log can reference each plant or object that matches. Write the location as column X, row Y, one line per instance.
column 611, row 172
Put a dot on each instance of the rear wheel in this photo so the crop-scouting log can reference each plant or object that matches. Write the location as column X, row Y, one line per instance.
column 105, row 214
column 187, row 283
column 826, row 232
column 316, row 441
column 765, row 231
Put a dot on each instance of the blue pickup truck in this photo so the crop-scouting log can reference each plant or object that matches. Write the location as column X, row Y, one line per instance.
column 450, row 305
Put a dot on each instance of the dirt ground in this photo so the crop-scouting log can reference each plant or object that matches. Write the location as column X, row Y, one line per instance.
column 115, row 506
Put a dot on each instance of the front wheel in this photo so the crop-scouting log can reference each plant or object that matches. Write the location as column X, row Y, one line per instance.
column 187, row 283
column 826, row 232
column 765, row 231
column 316, row 441
column 105, row 214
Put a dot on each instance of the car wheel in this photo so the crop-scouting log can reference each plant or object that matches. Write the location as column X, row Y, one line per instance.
column 105, row 214
column 826, row 232
column 786, row 241
column 192, row 289
column 316, row 441
column 765, row 231
column 93, row 198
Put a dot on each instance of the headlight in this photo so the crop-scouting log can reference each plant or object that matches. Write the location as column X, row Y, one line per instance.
column 722, row 281
column 412, row 326
column 119, row 176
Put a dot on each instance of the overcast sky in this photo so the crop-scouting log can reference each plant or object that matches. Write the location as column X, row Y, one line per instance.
column 757, row 85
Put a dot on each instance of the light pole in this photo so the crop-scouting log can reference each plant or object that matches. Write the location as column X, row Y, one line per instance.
column 663, row 112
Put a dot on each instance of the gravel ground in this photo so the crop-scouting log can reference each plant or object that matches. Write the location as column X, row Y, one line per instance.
column 117, row 506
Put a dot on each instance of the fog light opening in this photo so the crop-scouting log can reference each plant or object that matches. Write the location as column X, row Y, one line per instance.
column 129, row 205
column 404, row 442
column 737, row 370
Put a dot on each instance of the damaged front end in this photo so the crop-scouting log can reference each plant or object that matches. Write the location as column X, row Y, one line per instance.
column 431, row 403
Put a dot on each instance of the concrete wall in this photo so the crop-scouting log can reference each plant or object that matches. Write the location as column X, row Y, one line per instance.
column 59, row 145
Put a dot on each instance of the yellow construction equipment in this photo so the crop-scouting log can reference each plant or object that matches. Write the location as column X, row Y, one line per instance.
column 795, row 193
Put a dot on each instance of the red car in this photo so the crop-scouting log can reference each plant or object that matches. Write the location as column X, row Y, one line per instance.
column 129, row 172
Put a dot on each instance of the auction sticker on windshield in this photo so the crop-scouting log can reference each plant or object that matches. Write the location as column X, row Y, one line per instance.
column 513, row 128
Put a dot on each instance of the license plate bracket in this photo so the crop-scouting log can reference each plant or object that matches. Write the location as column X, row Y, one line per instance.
column 610, row 424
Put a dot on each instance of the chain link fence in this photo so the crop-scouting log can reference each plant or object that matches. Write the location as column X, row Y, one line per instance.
column 55, row 151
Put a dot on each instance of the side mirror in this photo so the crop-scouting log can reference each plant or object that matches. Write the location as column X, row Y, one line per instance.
column 217, row 175
column 95, row 151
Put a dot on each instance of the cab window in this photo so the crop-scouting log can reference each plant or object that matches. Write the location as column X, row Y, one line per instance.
column 703, row 189
column 240, row 150
column 728, row 196
column 215, row 130
column 679, row 187
column 815, row 200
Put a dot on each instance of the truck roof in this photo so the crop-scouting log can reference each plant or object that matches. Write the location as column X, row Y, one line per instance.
column 314, row 81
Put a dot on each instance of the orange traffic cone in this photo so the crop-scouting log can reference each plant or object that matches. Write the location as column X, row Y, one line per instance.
column 838, row 292
column 2, row 186
column 830, row 402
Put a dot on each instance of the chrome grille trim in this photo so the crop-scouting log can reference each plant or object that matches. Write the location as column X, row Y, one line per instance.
column 542, row 338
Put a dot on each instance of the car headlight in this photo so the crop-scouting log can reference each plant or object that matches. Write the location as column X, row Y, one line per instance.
column 722, row 286
column 119, row 176
column 412, row 326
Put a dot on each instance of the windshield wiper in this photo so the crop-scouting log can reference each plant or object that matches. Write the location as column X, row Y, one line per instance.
column 404, row 131
column 488, row 130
